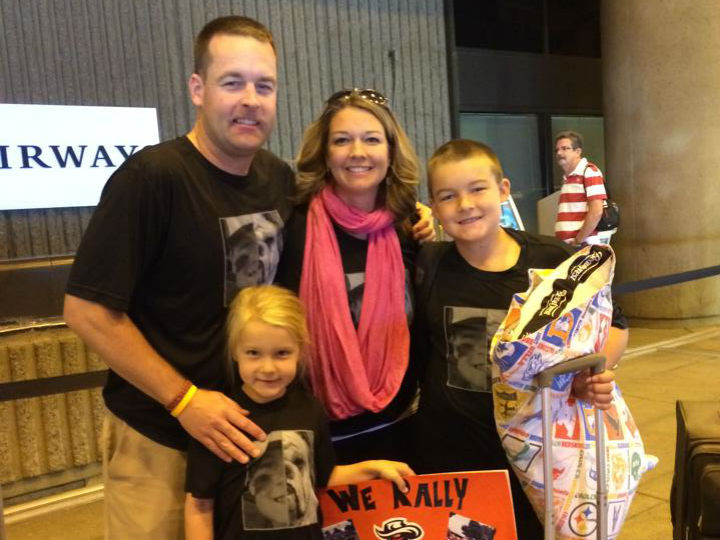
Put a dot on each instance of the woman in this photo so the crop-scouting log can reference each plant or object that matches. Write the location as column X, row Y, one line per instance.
column 351, row 236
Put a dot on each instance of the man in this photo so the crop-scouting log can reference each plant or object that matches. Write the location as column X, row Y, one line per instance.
column 581, row 197
column 147, row 287
column 157, row 267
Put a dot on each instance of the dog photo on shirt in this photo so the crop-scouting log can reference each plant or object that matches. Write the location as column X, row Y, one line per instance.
column 468, row 334
column 252, row 244
column 280, row 492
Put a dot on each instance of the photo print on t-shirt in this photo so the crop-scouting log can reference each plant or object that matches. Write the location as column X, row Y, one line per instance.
column 465, row 528
column 355, row 285
column 345, row 530
column 252, row 244
column 468, row 334
column 280, row 493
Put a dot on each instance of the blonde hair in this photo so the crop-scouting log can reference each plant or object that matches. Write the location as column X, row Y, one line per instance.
column 398, row 191
column 271, row 305
column 459, row 150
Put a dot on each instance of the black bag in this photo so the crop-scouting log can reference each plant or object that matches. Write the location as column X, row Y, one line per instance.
column 695, row 493
column 610, row 218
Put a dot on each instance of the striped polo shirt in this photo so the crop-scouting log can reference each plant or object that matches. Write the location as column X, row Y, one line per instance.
column 584, row 184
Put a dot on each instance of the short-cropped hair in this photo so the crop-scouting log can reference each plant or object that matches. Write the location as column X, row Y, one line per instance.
column 459, row 150
column 234, row 25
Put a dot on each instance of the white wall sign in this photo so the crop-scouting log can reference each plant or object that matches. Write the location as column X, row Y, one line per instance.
column 56, row 156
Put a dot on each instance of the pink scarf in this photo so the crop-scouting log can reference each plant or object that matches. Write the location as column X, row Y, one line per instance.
column 354, row 371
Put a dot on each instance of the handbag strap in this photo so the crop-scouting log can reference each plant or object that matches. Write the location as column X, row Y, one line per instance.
column 605, row 184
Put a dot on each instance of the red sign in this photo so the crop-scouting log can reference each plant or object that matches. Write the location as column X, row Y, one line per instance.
column 457, row 506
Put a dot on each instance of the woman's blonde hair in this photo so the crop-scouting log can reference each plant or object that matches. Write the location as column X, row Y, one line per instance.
column 398, row 191
column 271, row 305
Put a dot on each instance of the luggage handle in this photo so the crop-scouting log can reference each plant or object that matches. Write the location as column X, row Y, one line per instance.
column 596, row 363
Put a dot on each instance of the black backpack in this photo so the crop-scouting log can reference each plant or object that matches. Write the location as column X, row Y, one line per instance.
column 610, row 218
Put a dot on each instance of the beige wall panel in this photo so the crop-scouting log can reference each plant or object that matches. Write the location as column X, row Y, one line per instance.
column 79, row 407
column 51, row 433
column 54, row 407
column 97, row 405
column 31, row 435
column 10, row 468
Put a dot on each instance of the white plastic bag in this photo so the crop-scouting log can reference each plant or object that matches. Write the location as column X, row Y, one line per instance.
column 566, row 313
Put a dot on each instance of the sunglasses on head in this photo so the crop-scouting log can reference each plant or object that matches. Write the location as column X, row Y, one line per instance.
column 365, row 93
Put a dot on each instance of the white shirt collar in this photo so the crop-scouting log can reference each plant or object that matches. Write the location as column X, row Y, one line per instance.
column 579, row 169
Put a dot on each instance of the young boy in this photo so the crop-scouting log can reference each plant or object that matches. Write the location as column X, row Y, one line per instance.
column 473, row 279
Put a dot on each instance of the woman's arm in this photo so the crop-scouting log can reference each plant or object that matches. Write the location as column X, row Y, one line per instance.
column 198, row 518
column 423, row 230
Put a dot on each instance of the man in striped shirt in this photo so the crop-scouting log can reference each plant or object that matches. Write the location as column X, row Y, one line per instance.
column 582, row 194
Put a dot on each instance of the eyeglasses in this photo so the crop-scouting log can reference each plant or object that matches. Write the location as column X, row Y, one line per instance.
column 365, row 93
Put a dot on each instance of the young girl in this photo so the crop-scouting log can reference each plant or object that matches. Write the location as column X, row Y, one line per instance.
column 272, row 496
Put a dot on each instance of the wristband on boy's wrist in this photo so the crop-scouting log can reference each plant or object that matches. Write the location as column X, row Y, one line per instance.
column 184, row 401
column 178, row 398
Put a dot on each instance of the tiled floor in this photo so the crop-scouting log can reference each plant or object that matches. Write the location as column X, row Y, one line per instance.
column 657, row 372
column 78, row 523
column 651, row 383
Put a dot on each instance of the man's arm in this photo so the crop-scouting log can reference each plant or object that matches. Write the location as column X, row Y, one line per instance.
column 210, row 417
column 592, row 218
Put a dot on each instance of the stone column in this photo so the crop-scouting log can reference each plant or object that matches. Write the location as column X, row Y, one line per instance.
column 661, row 88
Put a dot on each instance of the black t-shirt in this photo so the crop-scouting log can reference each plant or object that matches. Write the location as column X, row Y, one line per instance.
column 274, row 495
column 172, row 240
column 353, row 252
column 464, row 308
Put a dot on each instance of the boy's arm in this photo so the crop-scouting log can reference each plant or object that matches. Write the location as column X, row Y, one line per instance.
column 394, row 471
column 597, row 389
column 427, row 263
column 615, row 346
column 198, row 518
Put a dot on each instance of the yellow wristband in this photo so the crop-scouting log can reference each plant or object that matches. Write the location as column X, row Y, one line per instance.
column 184, row 401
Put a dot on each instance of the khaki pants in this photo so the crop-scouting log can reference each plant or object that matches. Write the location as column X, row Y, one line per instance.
column 144, row 485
